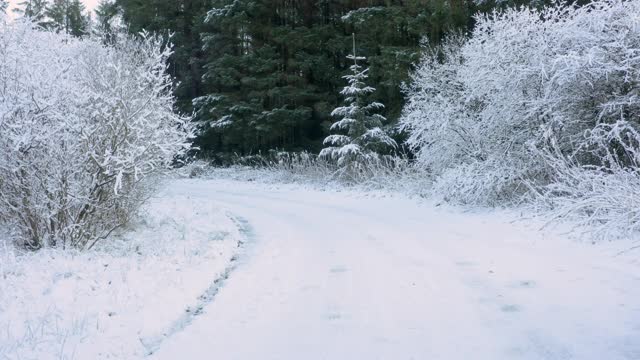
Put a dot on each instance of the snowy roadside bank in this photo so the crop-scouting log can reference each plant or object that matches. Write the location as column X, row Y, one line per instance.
column 123, row 298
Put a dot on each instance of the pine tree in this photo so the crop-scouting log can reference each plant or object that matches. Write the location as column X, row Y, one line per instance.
column 68, row 16
column 180, row 20
column 360, row 134
column 108, row 21
column 265, row 74
column 3, row 6
column 32, row 9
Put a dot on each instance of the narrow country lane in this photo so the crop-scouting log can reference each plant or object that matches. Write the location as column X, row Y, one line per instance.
column 344, row 276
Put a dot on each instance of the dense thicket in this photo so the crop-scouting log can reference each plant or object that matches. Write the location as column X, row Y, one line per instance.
column 540, row 103
column 265, row 74
column 181, row 20
column 82, row 125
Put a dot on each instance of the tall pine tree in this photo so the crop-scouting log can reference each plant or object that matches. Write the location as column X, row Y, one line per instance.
column 108, row 21
column 68, row 16
column 32, row 9
column 180, row 19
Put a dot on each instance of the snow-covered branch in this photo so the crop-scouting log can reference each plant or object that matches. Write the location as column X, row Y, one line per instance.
column 82, row 125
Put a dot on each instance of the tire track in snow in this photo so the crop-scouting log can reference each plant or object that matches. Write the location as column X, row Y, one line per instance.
column 152, row 344
column 335, row 277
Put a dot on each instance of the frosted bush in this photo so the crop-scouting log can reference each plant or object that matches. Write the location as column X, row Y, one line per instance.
column 533, row 102
column 82, row 126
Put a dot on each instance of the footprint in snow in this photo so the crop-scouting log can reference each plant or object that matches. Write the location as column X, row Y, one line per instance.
column 510, row 308
column 338, row 269
column 464, row 263
column 524, row 284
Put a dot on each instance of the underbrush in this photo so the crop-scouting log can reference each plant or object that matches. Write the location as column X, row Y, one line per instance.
column 377, row 173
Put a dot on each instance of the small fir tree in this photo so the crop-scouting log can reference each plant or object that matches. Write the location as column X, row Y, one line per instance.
column 358, row 132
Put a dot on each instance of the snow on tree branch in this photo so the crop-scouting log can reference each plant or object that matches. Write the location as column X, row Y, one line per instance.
column 361, row 136
column 492, row 114
column 82, row 126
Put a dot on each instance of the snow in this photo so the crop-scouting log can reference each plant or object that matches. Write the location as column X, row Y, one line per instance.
column 341, row 274
column 345, row 275
column 121, row 300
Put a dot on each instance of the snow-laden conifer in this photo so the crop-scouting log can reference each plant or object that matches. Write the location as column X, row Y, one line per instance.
column 358, row 132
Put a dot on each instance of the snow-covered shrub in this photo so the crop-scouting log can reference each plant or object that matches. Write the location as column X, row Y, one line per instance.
column 485, row 111
column 436, row 116
column 82, row 126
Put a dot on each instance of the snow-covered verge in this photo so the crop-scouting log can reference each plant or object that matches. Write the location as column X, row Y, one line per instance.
column 121, row 299
column 402, row 178
column 413, row 183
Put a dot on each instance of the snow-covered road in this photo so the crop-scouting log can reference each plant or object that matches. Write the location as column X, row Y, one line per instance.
column 343, row 276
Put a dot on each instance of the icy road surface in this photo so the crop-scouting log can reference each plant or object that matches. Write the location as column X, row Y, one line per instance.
column 340, row 276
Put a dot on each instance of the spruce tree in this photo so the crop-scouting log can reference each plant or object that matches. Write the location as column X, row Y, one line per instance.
column 107, row 21
column 265, row 74
column 359, row 129
column 3, row 6
column 68, row 16
column 32, row 9
column 180, row 20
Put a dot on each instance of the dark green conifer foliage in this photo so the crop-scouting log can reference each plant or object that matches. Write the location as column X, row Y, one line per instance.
column 274, row 67
column 68, row 16
column 33, row 9
column 105, row 14
column 265, row 74
column 182, row 20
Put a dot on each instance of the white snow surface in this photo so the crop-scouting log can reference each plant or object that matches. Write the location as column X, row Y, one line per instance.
column 123, row 299
column 345, row 275
column 323, row 275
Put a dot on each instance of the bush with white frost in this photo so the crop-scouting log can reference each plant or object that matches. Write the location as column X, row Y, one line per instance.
column 82, row 126
column 533, row 101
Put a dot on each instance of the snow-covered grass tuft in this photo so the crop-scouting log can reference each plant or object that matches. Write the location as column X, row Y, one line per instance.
column 604, row 205
column 481, row 185
column 386, row 173
column 122, row 298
